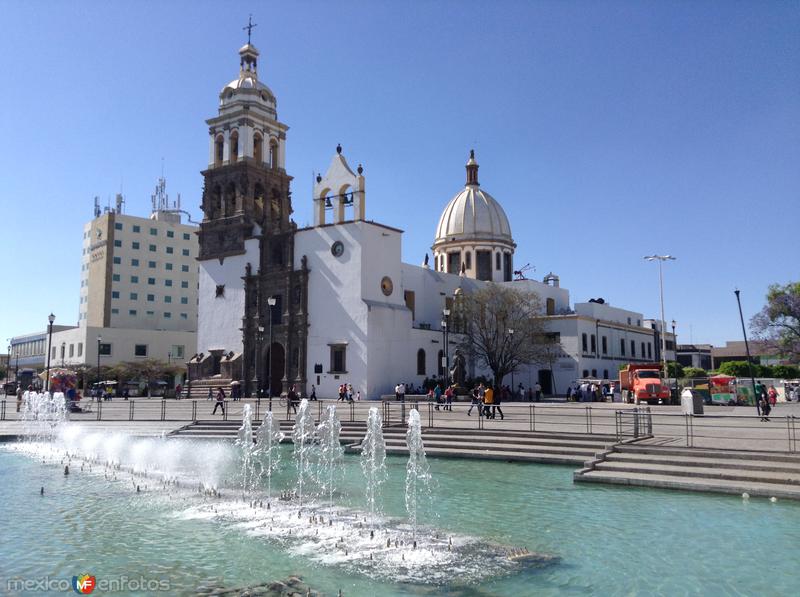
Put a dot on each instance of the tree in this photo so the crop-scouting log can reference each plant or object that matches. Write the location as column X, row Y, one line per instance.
column 486, row 318
column 778, row 323
column 740, row 369
column 786, row 371
column 693, row 372
column 148, row 370
column 674, row 369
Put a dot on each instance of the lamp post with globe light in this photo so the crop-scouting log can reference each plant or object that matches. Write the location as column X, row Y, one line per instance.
column 50, row 318
column 271, row 302
column 661, row 259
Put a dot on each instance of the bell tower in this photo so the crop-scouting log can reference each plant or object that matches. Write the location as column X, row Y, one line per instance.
column 246, row 196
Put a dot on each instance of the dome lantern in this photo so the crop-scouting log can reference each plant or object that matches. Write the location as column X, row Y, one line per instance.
column 473, row 237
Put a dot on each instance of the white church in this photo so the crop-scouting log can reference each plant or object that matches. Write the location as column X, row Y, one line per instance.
column 333, row 303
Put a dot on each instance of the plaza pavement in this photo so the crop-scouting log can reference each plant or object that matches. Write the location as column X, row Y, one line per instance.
column 732, row 428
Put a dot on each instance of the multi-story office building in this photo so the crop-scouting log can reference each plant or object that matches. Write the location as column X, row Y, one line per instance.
column 138, row 291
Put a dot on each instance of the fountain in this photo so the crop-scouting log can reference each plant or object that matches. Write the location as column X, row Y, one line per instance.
column 303, row 438
column 42, row 414
column 191, row 478
column 330, row 453
column 268, row 439
column 373, row 461
column 244, row 441
column 418, row 476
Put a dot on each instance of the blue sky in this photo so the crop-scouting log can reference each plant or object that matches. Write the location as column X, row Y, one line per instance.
column 607, row 130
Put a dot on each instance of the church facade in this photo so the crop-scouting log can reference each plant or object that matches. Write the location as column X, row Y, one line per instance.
column 332, row 303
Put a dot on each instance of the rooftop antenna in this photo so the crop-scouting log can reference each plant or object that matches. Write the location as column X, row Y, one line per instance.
column 96, row 206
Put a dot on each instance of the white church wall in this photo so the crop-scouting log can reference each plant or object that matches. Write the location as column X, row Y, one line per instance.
column 220, row 318
column 337, row 314
column 545, row 291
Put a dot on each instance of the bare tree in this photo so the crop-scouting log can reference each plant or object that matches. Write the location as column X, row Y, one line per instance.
column 502, row 327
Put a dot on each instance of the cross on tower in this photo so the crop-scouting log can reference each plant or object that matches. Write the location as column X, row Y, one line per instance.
column 249, row 27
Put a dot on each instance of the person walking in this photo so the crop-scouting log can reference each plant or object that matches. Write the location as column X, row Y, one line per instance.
column 210, row 395
column 292, row 399
column 475, row 401
column 313, row 395
column 497, row 398
column 537, row 389
column 397, row 393
column 19, row 397
column 402, row 392
column 437, row 394
column 772, row 396
column 178, row 392
column 220, row 403
column 349, row 392
column 765, row 408
column 448, row 399
column 488, row 401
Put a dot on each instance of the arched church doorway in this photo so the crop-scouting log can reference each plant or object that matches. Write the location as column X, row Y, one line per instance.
column 276, row 363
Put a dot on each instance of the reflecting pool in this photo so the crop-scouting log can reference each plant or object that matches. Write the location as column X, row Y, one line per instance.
column 194, row 528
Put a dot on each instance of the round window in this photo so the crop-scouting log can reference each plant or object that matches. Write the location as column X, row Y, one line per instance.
column 387, row 286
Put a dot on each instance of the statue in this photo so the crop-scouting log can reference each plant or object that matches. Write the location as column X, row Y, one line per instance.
column 459, row 371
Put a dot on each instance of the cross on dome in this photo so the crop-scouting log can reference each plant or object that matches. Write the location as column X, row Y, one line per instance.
column 249, row 28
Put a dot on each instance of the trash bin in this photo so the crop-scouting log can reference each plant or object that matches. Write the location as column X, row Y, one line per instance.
column 691, row 402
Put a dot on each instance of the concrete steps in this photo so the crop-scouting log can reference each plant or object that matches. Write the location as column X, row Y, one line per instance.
column 521, row 446
column 756, row 473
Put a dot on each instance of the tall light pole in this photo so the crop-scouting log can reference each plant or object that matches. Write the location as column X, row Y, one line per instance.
column 446, row 333
column 661, row 259
column 271, row 302
column 747, row 349
column 8, row 364
column 50, row 318
column 511, row 333
column 99, row 340
column 259, row 341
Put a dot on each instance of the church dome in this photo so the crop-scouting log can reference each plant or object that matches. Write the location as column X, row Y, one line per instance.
column 247, row 87
column 473, row 214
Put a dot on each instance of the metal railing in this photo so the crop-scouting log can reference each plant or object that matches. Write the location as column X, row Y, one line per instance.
column 745, row 432
column 634, row 423
column 726, row 431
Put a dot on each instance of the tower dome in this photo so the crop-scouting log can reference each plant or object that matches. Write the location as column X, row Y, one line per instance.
column 246, row 88
column 473, row 236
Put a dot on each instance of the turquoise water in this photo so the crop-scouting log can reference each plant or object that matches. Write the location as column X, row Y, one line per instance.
column 607, row 541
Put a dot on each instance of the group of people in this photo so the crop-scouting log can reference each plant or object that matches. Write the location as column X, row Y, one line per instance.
column 442, row 399
column 345, row 393
column 767, row 399
column 589, row 392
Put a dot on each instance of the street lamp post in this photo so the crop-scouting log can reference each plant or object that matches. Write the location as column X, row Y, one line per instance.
column 446, row 332
column 99, row 340
column 511, row 333
column 50, row 318
column 271, row 302
column 259, row 341
column 675, row 352
column 747, row 349
column 661, row 259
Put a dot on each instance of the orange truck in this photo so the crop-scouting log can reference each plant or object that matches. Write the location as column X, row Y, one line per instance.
column 641, row 382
